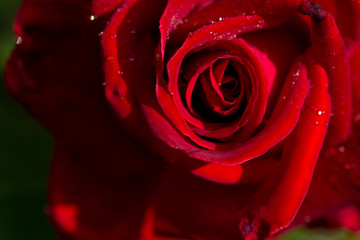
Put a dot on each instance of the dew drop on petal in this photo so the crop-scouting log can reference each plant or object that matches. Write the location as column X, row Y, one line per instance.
column 297, row 73
column 321, row 112
column 19, row 40
column 109, row 58
column 113, row 37
column 132, row 57
column 92, row 17
column 342, row 149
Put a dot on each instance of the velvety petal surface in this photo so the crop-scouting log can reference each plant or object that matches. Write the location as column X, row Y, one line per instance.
column 84, row 204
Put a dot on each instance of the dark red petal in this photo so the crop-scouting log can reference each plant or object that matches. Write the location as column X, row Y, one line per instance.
column 184, row 19
column 202, row 208
column 254, row 171
column 336, row 181
column 299, row 156
column 84, row 204
column 175, row 11
column 280, row 124
column 346, row 15
column 56, row 74
column 201, row 37
column 355, row 79
column 101, row 7
column 330, row 51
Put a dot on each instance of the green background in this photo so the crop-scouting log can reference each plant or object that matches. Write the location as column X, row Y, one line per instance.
column 25, row 153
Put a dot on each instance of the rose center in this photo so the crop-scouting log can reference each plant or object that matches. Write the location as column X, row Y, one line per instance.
column 222, row 91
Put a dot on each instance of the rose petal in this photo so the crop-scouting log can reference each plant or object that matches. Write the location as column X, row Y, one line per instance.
column 56, row 74
column 85, row 205
column 330, row 51
column 101, row 7
column 355, row 79
column 280, row 124
column 346, row 15
column 187, row 203
column 203, row 12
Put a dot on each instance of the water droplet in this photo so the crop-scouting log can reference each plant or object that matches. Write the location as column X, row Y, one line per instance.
column 321, row 112
column 19, row 40
column 284, row 97
column 100, row 33
column 92, row 17
column 248, row 17
column 132, row 57
column 109, row 58
column 317, row 122
column 297, row 73
column 104, row 83
column 221, row 19
column 120, row 72
column 332, row 53
column 113, row 37
column 342, row 149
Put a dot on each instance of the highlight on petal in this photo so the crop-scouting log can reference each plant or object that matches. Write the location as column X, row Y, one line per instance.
column 66, row 215
column 330, row 51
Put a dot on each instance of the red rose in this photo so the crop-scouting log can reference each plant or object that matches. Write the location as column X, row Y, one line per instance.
column 248, row 103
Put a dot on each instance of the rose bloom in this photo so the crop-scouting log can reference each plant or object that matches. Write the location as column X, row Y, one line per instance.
column 201, row 119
